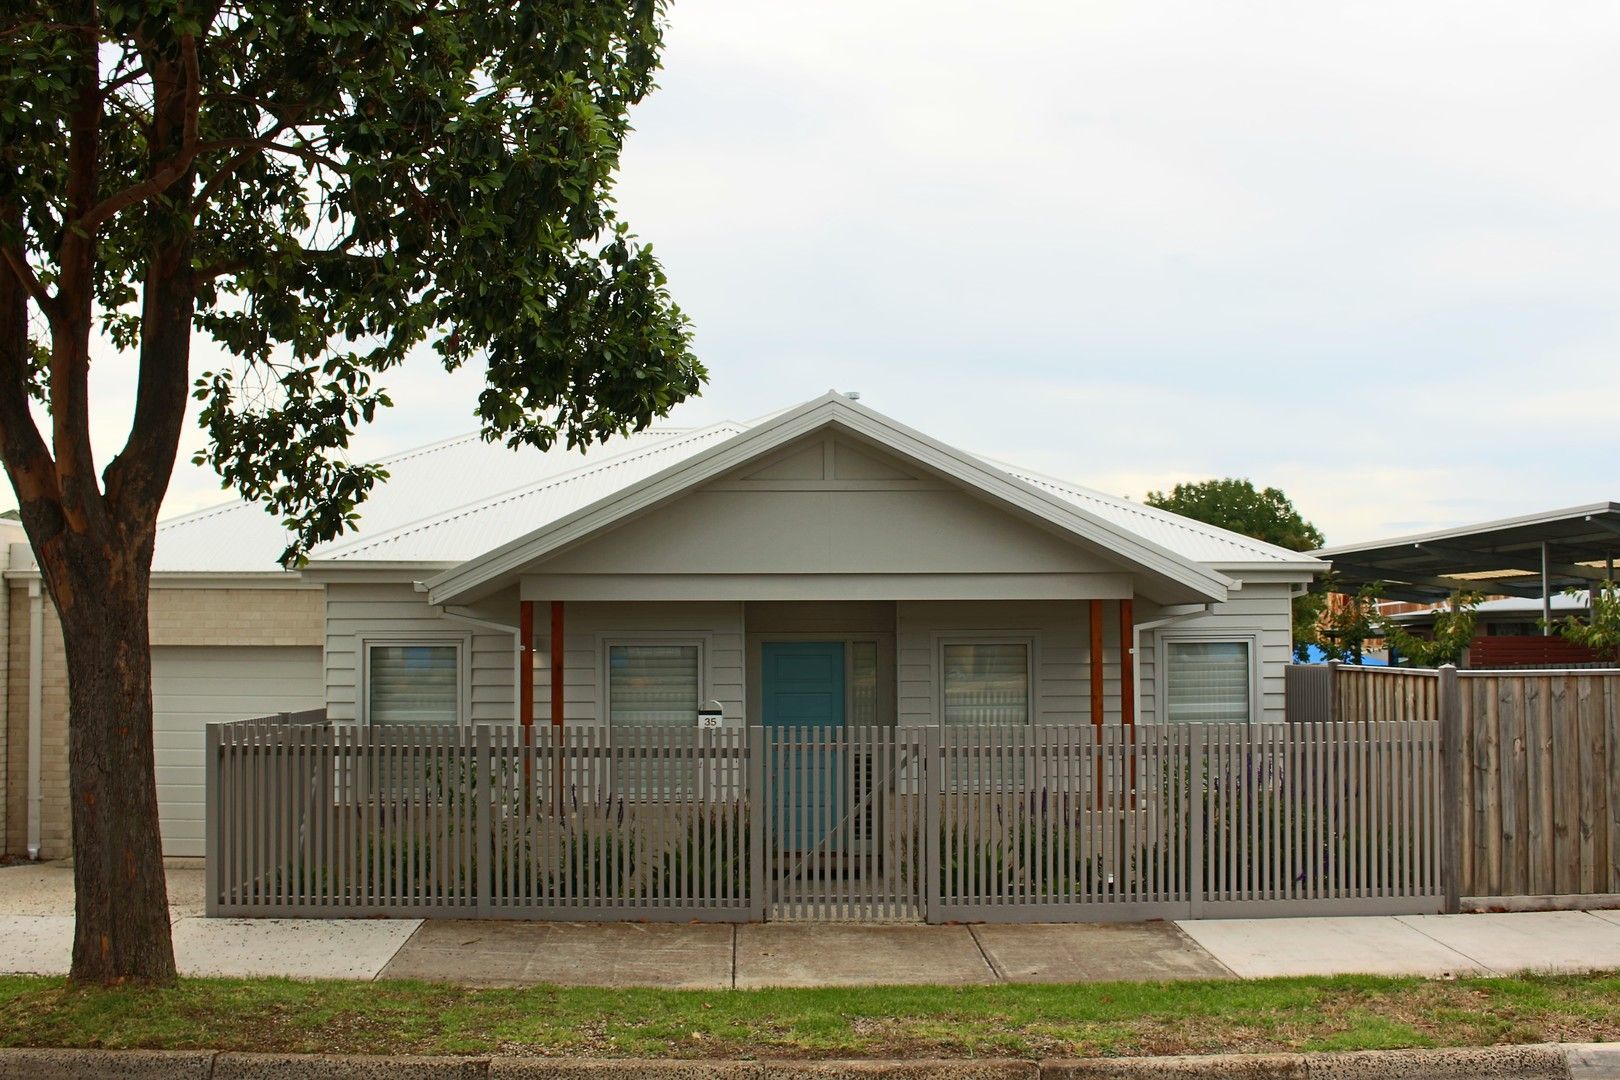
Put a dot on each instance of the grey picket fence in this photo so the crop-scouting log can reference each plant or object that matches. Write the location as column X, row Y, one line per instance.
column 741, row 824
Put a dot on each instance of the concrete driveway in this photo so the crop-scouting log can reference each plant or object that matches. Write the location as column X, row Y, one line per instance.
column 36, row 932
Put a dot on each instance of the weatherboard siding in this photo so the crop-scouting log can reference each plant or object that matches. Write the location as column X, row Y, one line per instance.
column 1260, row 610
column 588, row 628
column 1061, row 660
column 375, row 611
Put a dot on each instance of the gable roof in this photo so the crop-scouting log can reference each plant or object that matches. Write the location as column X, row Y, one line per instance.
column 457, row 499
column 503, row 564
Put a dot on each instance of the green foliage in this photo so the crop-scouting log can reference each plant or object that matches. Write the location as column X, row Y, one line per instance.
column 1236, row 505
column 1349, row 623
column 1453, row 630
column 327, row 189
column 1267, row 515
column 1600, row 632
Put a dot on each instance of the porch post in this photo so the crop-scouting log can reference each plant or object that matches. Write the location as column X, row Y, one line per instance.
column 1096, row 649
column 1127, row 663
column 526, row 667
column 558, row 647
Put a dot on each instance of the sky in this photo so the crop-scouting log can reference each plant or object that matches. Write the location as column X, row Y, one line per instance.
column 1368, row 253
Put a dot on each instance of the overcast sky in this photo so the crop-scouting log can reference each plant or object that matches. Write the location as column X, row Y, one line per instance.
column 1368, row 253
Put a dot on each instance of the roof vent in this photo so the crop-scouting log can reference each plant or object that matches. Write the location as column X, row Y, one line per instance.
column 853, row 395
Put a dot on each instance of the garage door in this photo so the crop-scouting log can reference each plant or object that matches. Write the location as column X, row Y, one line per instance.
column 193, row 686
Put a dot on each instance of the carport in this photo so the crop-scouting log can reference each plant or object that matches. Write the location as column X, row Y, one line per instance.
column 1535, row 556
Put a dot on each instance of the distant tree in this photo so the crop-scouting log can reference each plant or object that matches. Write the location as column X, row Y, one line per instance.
column 1267, row 515
column 1599, row 632
column 327, row 189
column 1237, row 505
column 1350, row 620
column 1445, row 644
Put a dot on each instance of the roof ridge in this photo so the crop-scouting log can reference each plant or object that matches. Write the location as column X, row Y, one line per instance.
column 1169, row 517
column 523, row 490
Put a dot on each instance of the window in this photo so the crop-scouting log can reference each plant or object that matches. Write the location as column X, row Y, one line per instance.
column 413, row 682
column 1208, row 682
column 653, row 685
column 986, row 683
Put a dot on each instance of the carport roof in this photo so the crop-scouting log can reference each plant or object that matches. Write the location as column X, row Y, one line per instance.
column 1495, row 557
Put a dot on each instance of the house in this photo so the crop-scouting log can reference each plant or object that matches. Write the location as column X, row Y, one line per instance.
column 825, row 565
column 1508, row 632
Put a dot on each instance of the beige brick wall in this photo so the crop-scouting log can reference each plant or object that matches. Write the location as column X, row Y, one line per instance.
column 178, row 617
column 238, row 617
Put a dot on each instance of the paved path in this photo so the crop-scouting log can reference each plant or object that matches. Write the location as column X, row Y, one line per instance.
column 36, row 929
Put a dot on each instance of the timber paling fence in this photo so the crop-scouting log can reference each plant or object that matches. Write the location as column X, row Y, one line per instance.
column 1532, row 760
column 1077, row 823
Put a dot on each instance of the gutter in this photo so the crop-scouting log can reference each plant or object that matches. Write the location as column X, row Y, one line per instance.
column 36, row 709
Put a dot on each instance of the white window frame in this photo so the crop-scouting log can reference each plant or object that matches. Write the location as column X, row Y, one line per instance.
column 462, row 643
column 1161, row 662
column 607, row 643
column 1029, row 639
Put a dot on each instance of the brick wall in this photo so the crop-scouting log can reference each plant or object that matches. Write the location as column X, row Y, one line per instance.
column 177, row 617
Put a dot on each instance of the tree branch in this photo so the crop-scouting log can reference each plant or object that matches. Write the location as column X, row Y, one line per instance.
column 164, row 176
column 28, row 461
column 30, row 281
column 251, row 147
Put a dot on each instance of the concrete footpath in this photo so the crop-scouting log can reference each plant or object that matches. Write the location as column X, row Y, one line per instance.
column 1547, row 1061
column 36, row 932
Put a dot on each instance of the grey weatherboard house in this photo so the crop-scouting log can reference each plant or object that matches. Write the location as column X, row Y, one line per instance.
column 819, row 665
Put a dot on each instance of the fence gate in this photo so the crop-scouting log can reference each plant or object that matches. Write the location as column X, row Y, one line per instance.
column 842, row 817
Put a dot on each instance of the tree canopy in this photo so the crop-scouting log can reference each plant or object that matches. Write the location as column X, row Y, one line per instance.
column 332, row 185
column 324, row 189
column 1266, row 515
column 1237, row 505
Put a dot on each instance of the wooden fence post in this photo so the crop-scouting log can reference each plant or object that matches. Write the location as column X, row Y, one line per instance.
column 1449, row 709
column 1333, row 691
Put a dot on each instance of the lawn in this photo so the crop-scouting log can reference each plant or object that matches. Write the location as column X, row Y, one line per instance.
column 1020, row 1021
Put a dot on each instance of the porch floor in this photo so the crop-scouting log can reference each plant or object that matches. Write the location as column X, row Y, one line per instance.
column 36, row 929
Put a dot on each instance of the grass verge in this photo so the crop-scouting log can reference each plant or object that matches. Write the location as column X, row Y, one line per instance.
column 1020, row 1021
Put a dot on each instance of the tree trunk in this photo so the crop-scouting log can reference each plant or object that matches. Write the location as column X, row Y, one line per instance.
column 121, row 901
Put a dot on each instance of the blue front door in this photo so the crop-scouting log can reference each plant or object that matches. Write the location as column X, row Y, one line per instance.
column 802, row 688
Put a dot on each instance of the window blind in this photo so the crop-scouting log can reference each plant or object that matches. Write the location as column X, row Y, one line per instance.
column 986, row 684
column 412, row 684
column 653, row 685
column 1207, row 682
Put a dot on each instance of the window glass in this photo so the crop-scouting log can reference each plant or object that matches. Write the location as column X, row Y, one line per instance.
column 1207, row 681
column 987, row 684
column 413, row 684
column 653, row 685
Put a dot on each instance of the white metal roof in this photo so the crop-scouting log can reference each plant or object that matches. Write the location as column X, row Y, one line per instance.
column 1507, row 606
column 433, row 483
column 458, row 499
column 1186, row 537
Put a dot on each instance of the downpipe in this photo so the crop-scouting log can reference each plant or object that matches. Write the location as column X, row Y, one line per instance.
column 36, row 710
column 1168, row 616
column 460, row 615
